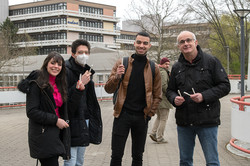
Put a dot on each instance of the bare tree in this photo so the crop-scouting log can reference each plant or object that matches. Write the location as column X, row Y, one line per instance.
column 224, row 33
column 9, row 50
column 152, row 16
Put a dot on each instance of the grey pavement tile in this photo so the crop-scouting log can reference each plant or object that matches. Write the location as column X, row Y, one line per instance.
column 14, row 147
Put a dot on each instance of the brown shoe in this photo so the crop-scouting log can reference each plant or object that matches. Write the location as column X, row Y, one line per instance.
column 162, row 141
column 153, row 137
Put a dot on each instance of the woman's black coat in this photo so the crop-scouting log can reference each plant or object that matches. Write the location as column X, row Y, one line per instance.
column 45, row 138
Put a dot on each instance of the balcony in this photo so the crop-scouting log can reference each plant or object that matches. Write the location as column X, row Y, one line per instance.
column 65, row 13
column 67, row 27
column 64, row 42
column 127, row 41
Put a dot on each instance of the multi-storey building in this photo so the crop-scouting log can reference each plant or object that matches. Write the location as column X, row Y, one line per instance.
column 127, row 34
column 55, row 24
column 3, row 10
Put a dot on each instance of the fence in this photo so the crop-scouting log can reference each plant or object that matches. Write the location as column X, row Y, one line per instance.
column 11, row 97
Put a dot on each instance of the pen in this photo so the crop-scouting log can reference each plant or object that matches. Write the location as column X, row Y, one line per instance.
column 179, row 92
column 80, row 77
column 193, row 90
column 186, row 93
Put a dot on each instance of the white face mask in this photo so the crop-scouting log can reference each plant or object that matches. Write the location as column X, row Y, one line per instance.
column 82, row 59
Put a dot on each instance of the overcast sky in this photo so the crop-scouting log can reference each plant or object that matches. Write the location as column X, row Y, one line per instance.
column 121, row 5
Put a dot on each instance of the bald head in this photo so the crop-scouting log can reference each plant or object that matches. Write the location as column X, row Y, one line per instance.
column 184, row 33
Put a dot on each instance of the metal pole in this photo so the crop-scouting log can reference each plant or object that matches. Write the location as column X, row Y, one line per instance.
column 242, row 55
column 248, row 68
column 227, row 60
column 227, row 47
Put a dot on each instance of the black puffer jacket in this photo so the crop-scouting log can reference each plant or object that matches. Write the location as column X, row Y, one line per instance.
column 206, row 76
column 45, row 138
column 87, row 108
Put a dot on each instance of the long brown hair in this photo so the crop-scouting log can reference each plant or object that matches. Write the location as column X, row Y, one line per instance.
column 43, row 78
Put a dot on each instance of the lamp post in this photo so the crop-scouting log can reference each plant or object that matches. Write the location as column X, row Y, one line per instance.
column 227, row 47
column 242, row 13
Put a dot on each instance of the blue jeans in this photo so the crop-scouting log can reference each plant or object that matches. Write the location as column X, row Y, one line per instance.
column 121, row 128
column 208, row 140
column 77, row 155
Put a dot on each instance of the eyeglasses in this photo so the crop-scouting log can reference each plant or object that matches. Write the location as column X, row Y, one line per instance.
column 188, row 40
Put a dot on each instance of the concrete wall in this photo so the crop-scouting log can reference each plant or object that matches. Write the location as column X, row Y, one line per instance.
column 13, row 97
column 235, row 86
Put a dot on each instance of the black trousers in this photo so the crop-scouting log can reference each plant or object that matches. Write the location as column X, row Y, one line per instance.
column 121, row 127
column 53, row 161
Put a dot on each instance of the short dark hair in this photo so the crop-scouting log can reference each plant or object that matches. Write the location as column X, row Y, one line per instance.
column 79, row 42
column 143, row 33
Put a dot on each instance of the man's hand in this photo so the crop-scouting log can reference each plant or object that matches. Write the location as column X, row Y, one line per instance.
column 197, row 97
column 80, row 85
column 178, row 100
column 86, row 77
column 120, row 71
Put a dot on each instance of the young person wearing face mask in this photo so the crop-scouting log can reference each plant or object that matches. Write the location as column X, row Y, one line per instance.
column 85, row 122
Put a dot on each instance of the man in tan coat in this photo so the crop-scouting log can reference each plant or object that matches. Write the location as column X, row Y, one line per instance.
column 163, row 109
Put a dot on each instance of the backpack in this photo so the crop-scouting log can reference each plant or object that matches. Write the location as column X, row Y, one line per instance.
column 125, row 63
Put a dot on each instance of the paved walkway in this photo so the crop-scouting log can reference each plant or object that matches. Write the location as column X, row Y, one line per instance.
column 14, row 148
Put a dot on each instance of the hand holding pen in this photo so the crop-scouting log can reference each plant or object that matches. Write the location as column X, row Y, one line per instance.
column 120, row 70
column 179, row 99
column 79, row 84
column 196, row 97
column 86, row 77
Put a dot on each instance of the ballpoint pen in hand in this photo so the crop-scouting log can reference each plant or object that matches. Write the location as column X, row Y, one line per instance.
column 80, row 77
column 193, row 90
column 186, row 93
column 90, row 68
column 179, row 92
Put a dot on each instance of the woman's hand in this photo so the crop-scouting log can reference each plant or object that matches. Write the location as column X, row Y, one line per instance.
column 61, row 124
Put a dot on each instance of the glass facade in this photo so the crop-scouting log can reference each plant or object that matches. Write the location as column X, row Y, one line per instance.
column 127, row 37
column 47, row 50
column 91, row 10
column 93, row 24
column 91, row 37
column 38, row 9
column 41, row 22
column 49, row 36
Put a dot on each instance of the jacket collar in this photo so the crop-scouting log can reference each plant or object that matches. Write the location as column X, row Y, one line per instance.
column 197, row 59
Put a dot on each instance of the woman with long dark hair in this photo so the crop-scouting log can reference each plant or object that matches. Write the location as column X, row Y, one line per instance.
column 46, row 108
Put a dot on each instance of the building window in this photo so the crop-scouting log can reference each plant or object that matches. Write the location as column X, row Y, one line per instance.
column 91, row 37
column 49, row 36
column 91, row 10
column 93, row 24
column 42, row 22
column 38, row 9
column 100, row 79
column 47, row 50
